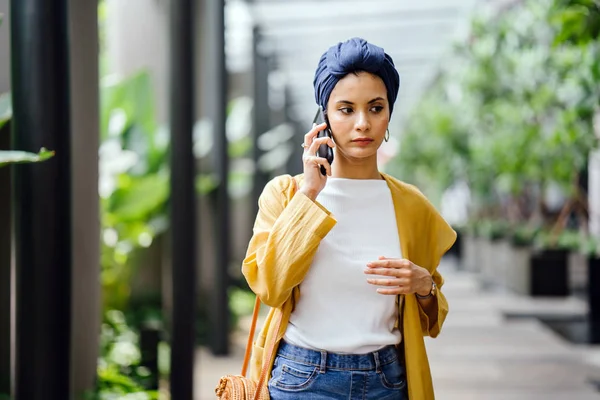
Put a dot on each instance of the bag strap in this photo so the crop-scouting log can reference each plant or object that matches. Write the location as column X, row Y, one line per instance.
column 271, row 345
column 265, row 369
column 251, row 336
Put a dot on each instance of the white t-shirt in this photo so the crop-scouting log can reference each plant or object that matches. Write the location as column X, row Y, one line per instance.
column 338, row 310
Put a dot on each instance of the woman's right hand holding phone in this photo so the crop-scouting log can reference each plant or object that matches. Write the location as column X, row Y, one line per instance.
column 314, row 181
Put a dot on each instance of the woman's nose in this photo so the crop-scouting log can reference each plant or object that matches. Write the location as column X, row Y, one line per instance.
column 362, row 121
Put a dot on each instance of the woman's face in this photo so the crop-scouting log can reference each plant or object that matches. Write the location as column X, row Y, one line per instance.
column 359, row 114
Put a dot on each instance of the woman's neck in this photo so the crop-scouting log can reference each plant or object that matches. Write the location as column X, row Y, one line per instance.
column 343, row 167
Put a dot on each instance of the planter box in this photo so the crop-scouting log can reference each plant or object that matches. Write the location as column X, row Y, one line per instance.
column 549, row 273
column 593, row 295
column 518, row 270
column 578, row 272
column 469, row 260
column 480, row 252
column 501, row 261
column 490, row 264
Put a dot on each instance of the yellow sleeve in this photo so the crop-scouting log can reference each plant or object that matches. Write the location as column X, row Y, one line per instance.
column 441, row 238
column 442, row 312
column 284, row 242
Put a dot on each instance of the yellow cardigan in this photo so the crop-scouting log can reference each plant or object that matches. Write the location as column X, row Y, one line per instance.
column 287, row 233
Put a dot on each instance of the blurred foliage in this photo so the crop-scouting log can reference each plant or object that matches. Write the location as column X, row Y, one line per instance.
column 135, row 176
column 523, row 235
column 134, row 190
column 134, row 180
column 511, row 110
column 14, row 156
column 576, row 21
column 120, row 375
column 493, row 229
column 241, row 302
column 570, row 240
column 590, row 246
column 5, row 109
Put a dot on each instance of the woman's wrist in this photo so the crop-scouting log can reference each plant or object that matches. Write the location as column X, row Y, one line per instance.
column 311, row 194
column 427, row 288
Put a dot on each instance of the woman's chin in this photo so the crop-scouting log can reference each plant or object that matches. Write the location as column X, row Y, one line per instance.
column 361, row 155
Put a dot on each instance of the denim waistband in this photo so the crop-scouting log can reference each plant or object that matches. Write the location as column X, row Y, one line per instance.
column 327, row 360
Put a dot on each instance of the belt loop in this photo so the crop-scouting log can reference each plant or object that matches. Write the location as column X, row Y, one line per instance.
column 323, row 366
column 377, row 363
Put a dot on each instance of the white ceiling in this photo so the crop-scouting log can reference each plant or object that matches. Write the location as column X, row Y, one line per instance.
column 297, row 32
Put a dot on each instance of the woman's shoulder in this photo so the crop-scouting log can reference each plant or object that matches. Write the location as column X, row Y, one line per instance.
column 410, row 195
column 399, row 186
column 282, row 187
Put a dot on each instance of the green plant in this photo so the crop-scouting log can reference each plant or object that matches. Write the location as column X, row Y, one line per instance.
column 134, row 180
column 510, row 113
column 567, row 239
column 119, row 369
column 576, row 21
column 5, row 109
column 13, row 156
column 523, row 235
column 590, row 246
column 494, row 229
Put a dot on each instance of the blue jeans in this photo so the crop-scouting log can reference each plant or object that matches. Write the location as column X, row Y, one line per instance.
column 300, row 373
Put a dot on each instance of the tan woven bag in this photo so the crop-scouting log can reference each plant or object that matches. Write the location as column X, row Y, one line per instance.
column 238, row 387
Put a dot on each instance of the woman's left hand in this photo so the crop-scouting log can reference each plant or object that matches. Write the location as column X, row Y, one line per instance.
column 401, row 276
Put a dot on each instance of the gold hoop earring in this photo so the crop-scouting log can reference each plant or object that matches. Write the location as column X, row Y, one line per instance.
column 387, row 135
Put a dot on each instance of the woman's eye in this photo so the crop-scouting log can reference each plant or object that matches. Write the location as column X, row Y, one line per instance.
column 346, row 110
column 377, row 109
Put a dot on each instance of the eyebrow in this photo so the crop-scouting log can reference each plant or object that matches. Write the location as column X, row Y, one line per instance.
column 351, row 103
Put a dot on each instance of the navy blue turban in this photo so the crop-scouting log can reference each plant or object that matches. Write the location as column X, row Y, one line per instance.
column 354, row 55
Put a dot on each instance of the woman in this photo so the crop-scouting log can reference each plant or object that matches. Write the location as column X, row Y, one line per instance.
column 348, row 260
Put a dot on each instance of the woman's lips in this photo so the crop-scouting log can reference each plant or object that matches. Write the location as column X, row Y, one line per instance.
column 363, row 141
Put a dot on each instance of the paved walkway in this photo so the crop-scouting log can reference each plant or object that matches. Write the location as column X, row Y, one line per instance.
column 482, row 354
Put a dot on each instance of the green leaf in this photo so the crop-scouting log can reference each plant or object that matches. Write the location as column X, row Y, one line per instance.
column 109, row 377
column 5, row 109
column 14, row 157
column 206, row 183
column 139, row 197
column 131, row 99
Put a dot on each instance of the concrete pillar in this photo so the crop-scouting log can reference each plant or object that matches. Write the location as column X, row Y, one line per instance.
column 86, row 305
column 137, row 38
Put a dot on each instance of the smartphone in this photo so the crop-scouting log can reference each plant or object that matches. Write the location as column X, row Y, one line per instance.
column 324, row 150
